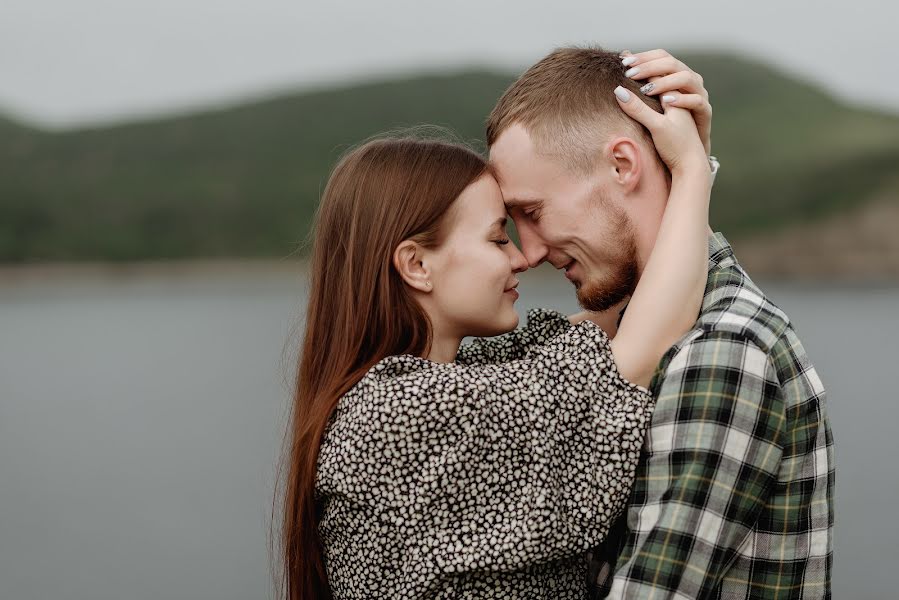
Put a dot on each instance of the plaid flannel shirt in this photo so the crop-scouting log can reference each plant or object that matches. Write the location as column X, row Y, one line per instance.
column 734, row 490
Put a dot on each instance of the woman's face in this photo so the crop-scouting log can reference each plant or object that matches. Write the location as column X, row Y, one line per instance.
column 473, row 272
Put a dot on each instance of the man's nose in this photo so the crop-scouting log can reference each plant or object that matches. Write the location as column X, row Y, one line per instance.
column 533, row 248
column 519, row 262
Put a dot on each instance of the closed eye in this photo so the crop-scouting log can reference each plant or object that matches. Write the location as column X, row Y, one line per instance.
column 534, row 211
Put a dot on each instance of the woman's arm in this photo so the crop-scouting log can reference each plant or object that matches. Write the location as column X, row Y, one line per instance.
column 667, row 299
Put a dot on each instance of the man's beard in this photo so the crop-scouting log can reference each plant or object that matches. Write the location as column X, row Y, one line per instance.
column 601, row 294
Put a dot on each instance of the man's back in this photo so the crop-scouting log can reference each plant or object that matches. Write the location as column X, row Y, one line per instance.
column 734, row 492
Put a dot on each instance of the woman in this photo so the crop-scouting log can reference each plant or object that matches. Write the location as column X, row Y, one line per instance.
column 417, row 470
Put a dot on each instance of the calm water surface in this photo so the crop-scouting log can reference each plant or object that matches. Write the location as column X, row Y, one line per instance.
column 141, row 415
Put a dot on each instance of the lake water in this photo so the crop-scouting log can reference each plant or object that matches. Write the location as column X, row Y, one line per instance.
column 141, row 415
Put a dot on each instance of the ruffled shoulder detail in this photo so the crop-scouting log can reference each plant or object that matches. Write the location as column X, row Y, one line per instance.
column 542, row 325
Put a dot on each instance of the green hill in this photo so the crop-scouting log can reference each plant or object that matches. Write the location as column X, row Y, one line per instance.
column 245, row 180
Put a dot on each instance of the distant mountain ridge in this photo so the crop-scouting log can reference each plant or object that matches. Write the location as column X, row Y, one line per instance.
column 245, row 180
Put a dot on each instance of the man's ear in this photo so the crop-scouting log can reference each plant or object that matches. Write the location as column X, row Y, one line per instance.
column 409, row 260
column 625, row 162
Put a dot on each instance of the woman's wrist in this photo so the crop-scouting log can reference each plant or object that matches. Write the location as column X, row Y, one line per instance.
column 692, row 165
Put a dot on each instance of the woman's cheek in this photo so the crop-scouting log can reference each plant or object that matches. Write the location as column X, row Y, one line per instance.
column 504, row 269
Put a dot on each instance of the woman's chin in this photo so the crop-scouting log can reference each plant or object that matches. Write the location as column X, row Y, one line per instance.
column 509, row 320
column 503, row 323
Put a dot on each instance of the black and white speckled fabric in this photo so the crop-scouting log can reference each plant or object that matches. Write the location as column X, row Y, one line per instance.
column 489, row 477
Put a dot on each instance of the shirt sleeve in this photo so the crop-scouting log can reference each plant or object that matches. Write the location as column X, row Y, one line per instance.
column 712, row 452
column 542, row 326
column 496, row 467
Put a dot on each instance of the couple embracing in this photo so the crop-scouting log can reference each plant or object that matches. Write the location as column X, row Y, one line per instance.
column 670, row 441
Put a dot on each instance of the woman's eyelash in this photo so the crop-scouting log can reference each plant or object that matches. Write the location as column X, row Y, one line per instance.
column 502, row 242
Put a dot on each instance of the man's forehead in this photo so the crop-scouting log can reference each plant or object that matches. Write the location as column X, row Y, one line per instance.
column 513, row 164
column 497, row 163
column 514, row 141
column 518, row 189
column 525, row 184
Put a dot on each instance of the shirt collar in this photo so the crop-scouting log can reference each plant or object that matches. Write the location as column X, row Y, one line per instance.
column 720, row 255
column 720, row 252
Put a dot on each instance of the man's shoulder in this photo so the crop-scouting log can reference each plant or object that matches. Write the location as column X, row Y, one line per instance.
column 737, row 321
column 734, row 306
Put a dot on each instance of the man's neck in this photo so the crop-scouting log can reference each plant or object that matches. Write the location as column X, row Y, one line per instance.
column 644, row 250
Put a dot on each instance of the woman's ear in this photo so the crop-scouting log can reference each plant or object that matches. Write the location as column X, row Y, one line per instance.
column 408, row 258
column 626, row 165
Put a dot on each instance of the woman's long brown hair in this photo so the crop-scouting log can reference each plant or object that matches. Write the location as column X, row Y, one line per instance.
column 359, row 310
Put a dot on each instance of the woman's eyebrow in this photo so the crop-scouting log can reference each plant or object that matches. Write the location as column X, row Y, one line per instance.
column 500, row 223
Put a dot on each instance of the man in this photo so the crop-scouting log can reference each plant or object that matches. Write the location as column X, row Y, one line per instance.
column 734, row 491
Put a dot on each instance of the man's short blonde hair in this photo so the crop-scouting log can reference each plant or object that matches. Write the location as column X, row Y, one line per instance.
column 567, row 104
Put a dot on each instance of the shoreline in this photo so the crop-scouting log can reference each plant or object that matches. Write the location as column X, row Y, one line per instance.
column 181, row 268
column 212, row 269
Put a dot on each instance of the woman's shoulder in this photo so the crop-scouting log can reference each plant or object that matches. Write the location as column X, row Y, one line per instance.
column 546, row 323
column 405, row 371
column 392, row 389
column 538, row 315
column 542, row 325
column 583, row 336
column 554, row 332
column 400, row 378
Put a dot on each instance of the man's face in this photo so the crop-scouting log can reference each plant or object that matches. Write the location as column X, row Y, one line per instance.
column 575, row 222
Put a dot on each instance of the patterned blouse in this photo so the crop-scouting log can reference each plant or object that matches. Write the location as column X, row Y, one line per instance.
column 489, row 477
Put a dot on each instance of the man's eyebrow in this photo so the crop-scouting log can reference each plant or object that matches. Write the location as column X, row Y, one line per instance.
column 516, row 202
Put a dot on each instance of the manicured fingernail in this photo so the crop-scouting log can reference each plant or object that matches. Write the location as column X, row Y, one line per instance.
column 629, row 61
column 632, row 72
column 647, row 88
column 668, row 98
column 622, row 94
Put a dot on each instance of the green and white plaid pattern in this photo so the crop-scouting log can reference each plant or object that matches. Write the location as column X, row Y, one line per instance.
column 734, row 491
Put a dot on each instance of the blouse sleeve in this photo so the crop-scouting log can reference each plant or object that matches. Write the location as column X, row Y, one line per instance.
column 542, row 325
column 493, row 467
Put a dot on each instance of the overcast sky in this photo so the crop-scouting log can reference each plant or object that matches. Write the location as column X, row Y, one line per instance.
column 70, row 62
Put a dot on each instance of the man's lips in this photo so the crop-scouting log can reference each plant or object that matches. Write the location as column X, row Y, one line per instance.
column 570, row 276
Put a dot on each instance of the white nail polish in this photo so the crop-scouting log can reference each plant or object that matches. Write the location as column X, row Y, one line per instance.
column 622, row 94
column 631, row 72
column 629, row 61
column 668, row 98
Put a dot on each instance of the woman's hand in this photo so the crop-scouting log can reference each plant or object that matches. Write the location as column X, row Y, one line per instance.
column 669, row 294
column 670, row 78
column 673, row 132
